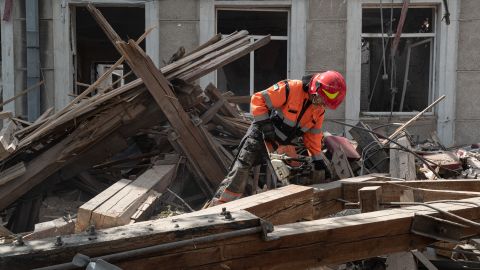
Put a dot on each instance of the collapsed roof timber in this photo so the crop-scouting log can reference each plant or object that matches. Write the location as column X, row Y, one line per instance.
column 134, row 146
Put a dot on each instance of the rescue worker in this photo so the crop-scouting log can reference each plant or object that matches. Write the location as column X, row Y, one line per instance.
column 287, row 110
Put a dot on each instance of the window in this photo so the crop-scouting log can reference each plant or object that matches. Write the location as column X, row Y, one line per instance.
column 403, row 82
column 263, row 67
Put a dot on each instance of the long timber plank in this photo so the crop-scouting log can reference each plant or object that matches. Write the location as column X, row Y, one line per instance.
column 43, row 252
column 309, row 244
column 392, row 190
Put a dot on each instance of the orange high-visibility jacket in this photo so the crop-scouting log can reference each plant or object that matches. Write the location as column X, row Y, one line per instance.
column 287, row 98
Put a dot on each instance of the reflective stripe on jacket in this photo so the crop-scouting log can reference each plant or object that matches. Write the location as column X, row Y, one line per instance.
column 285, row 100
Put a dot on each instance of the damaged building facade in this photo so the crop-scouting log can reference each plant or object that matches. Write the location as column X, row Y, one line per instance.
column 57, row 42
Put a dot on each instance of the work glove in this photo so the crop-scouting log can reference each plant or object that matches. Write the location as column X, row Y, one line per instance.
column 268, row 130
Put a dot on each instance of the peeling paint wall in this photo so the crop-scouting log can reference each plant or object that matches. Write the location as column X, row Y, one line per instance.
column 468, row 74
column 179, row 26
column 326, row 45
column 46, row 53
column 20, row 54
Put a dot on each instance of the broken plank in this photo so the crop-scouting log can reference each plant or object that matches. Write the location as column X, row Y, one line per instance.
column 192, row 139
column 52, row 228
column 38, row 253
column 146, row 209
column 63, row 153
column 12, row 172
column 208, row 115
column 85, row 211
column 8, row 143
column 118, row 209
column 227, row 109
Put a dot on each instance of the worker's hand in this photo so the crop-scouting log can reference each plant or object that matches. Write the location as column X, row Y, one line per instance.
column 268, row 130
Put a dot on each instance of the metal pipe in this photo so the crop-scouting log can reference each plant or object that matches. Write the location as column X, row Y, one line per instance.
column 161, row 247
column 465, row 221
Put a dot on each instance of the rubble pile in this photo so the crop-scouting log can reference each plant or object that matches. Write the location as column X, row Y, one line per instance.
column 122, row 176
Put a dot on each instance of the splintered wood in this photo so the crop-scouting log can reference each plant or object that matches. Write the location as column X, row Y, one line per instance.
column 120, row 202
column 66, row 140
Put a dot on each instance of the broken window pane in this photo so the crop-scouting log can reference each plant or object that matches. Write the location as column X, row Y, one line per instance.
column 410, row 93
column 418, row 20
column 255, row 22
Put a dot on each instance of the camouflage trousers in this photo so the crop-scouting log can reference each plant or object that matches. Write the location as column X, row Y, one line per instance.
column 250, row 154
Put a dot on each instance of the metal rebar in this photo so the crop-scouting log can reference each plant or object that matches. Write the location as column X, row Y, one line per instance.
column 392, row 141
column 465, row 221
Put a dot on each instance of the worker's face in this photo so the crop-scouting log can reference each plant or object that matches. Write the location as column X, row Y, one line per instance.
column 316, row 100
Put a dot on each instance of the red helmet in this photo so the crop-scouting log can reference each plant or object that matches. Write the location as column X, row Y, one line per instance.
column 330, row 86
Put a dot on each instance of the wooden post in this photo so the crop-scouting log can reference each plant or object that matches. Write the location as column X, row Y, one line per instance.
column 370, row 198
column 402, row 163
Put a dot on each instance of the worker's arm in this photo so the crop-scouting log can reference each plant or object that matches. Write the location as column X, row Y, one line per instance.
column 264, row 101
column 312, row 139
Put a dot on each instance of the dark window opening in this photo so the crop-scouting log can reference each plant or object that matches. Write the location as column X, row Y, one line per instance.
column 269, row 62
column 418, row 20
column 255, row 22
column 402, row 83
column 95, row 52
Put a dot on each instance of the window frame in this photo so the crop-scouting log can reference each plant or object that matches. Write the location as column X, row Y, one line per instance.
column 253, row 38
column 445, row 69
column 433, row 53
column 297, row 39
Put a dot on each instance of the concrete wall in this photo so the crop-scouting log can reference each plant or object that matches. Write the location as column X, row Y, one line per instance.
column 326, row 23
column 179, row 26
column 46, row 53
column 326, row 45
column 468, row 74
column 20, row 54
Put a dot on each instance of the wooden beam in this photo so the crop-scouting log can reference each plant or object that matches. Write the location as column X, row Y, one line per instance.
column 190, row 137
column 326, row 198
column 43, row 252
column 227, row 109
column 402, row 163
column 118, row 209
column 280, row 206
column 85, row 211
column 370, row 198
column 431, row 189
column 310, row 244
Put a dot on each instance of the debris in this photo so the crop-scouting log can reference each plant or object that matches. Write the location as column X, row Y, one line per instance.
column 135, row 162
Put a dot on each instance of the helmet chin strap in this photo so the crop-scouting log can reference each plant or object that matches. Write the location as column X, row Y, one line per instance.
column 316, row 99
